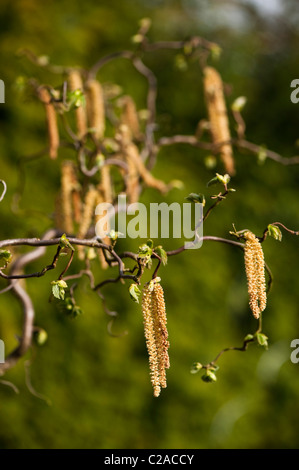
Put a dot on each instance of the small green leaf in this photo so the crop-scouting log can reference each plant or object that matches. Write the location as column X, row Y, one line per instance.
column 145, row 251
column 274, row 232
column 134, row 292
column 196, row 198
column 58, row 289
column 213, row 181
column 195, row 367
column 223, row 179
column 177, row 184
column 114, row 235
column 150, row 243
column 62, row 284
column 91, row 253
column 145, row 23
column 262, row 155
column 137, row 38
column 6, row 256
column 162, row 254
column 40, row 336
column 64, row 242
column 239, row 103
column 76, row 99
column 248, row 337
column 210, row 161
column 215, row 52
column 262, row 340
column 209, row 376
column 99, row 160
column 180, row 62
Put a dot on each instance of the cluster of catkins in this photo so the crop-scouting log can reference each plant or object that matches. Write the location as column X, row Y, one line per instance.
column 76, row 205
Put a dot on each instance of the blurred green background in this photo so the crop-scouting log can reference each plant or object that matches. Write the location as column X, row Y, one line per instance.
column 98, row 384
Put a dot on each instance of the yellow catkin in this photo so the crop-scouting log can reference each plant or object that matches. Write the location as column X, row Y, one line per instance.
column 87, row 218
column 158, row 303
column 69, row 183
column 51, row 120
column 88, row 211
column 136, row 167
column 95, row 108
column 217, row 112
column 100, row 199
column 76, row 83
column 132, row 180
column 105, row 185
column 129, row 116
column 255, row 273
column 156, row 335
column 105, row 195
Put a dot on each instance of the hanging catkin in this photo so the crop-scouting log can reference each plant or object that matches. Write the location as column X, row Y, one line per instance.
column 69, row 183
column 51, row 120
column 95, row 108
column 255, row 273
column 217, row 112
column 75, row 83
column 89, row 205
column 156, row 335
column 105, row 185
column 105, row 194
column 129, row 116
column 136, row 168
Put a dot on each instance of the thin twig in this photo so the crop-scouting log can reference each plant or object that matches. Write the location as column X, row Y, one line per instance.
column 4, row 189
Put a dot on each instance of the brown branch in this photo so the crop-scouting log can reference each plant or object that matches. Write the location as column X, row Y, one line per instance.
column 245, row 144
column 27, row 305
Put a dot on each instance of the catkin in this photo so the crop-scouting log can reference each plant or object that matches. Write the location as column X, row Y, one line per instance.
column 95, row 108
column 156, row 334
column 136, row 167
column 217, row 112
column 69, row 183
column 132, row 179
column 129, row 116
column 255, row 273
column 88, row 211
column 75, row 83
column 51, row 120
column 103, row 196
column 105, row 185
column 89, row 205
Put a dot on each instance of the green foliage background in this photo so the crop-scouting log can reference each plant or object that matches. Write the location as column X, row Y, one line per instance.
column 98, row 384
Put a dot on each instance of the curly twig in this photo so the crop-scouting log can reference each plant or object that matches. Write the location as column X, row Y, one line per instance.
column 4, row 189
